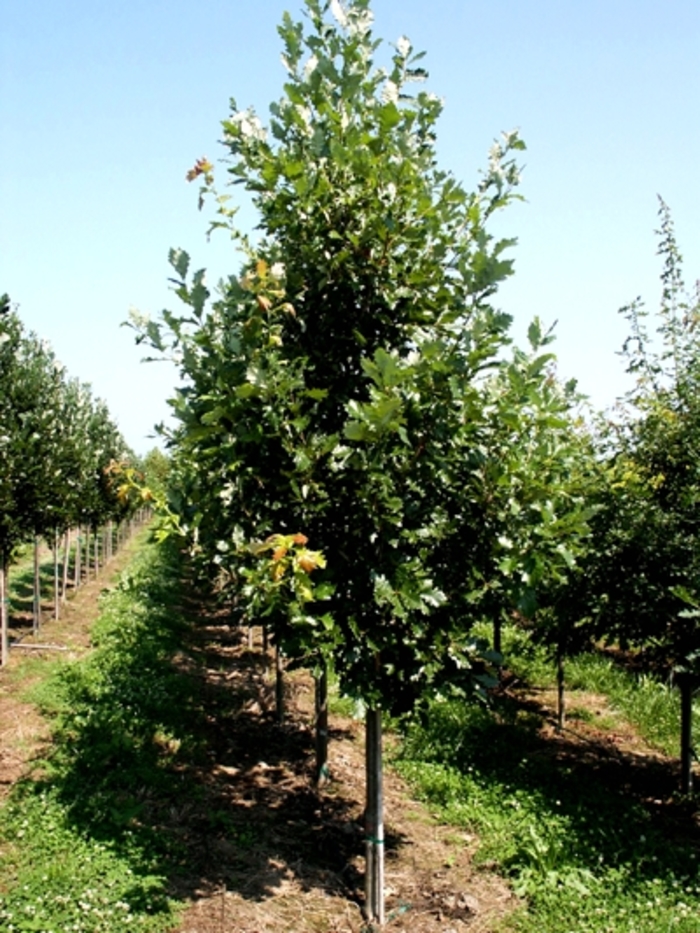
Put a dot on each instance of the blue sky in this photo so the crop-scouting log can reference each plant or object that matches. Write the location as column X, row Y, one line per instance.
column 104, row 107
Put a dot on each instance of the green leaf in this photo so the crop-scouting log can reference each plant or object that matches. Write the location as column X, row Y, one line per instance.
column 180, row 261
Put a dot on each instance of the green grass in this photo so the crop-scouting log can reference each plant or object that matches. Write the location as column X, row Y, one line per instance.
column 648, row 704
column 82, row 843
column 651, row 706
column 585, row 858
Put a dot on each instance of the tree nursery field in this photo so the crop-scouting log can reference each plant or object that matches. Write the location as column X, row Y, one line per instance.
column 416, row 643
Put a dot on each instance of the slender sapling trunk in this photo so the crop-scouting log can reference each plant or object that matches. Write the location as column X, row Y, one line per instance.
column 321, row 703
column 76, row 568
column 279, row 684
column 36, row 620
column 56, row 576
column 374, row 820
column 561, row 710
column 685, row 686
column 4, row 612
column 66, row 562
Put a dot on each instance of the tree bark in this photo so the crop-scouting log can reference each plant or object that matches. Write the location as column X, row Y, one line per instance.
column 561, row 710
column 56, row 576
column 321, row 703
column 279, row 684
column 36, row 615
column 66, row 563
column 685, row 686
column 374, row 820
column 497, row 633
column 4, row 636
column 76, row 568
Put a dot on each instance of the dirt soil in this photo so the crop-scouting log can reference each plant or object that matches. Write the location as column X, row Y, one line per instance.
column 287, row 857
column 291, row 857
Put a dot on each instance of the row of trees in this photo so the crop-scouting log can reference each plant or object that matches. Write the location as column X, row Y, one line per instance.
column 637, row 583
column 59, row 450
column 360, row 455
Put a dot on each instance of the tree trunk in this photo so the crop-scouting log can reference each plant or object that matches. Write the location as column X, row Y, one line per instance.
column 279, row 684
column 321, row 698
column 76, row 568
column 56, row 576
column 685, row 686
column 66, row 562
column 374, row 820
column 561, row 711
column 97, row 552
column 87, row 553
column 4, row 607
column 36, row 615
column 497, row 633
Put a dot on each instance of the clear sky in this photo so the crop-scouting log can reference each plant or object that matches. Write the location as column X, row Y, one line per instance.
column 104, row 107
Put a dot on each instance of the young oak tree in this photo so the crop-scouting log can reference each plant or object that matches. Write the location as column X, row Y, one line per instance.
column 338, row 387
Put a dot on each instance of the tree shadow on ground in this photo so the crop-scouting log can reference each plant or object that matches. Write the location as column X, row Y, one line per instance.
column 167, row 747
column 21, row 596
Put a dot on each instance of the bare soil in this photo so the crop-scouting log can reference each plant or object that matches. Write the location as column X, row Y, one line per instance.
column 290, row 856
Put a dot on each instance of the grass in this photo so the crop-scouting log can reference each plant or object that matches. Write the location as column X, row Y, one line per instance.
column 586, row 858
column 651, row 706
column 81, row 847
column 21, row 576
